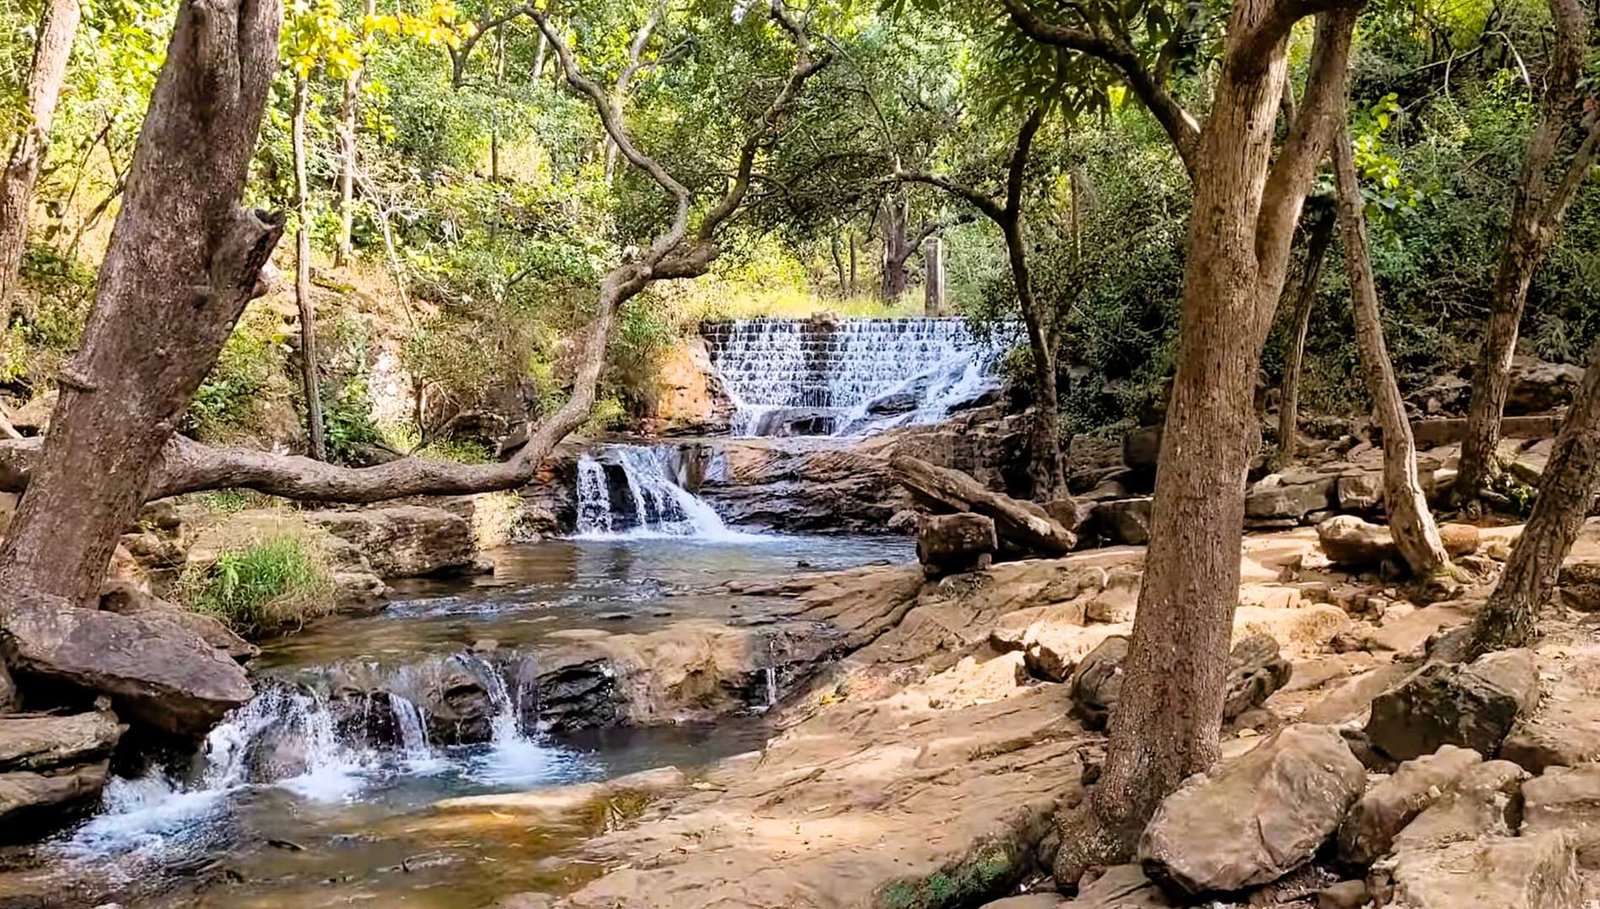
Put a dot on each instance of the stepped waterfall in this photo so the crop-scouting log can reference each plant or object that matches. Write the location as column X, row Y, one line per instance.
column 847, row 377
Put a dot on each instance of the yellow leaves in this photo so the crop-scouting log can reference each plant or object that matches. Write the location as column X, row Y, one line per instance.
column 316, row 34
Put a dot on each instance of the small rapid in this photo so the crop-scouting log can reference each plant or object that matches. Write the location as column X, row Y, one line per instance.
column 639, row 492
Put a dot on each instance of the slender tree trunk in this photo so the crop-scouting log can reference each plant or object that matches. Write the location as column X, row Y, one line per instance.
column 1048, row 476
column 852, row 238
column 56, row 30
column 184, row 259
column 302, row 278
column 494, row 104
column 1566, row 491
column 1305, row 300
column 933, row 277
column 838, row 266
column 1543, row 195
column 348, row 121
column 894, row 249
column 1410, row 521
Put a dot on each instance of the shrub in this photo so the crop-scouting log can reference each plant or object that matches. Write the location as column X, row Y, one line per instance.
column 264, row 586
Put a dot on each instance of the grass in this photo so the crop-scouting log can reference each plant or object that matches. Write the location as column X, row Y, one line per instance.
column 262, row 587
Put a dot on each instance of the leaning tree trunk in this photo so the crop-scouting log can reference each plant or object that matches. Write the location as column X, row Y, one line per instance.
column 895, row 281
column 1410, row 521
column 1305, row 300
column 1537, row 210
column 184, row 259
column 302, row 278
column 1566, row 491
column 59, row 25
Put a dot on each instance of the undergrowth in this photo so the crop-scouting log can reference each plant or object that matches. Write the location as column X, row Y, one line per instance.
column 264, row 586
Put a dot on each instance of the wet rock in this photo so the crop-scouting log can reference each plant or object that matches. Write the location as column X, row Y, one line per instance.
column 577, row 691
column 1534, row 872
column 955, row 543
column 31, row 804
column 1580, row 586
column 156, row 672
column 1566, row 799
column 124, row 598
column 402, row 541
column 1446, row 704
column 1097, row 684
column 1368, row 831
column 1256, row 818
column 459, row 710
column 45, row 741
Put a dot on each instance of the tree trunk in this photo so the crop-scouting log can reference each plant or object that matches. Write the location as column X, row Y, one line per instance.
column 1305, row 300
column 56, row 30
column 1410, row 521
column 184, row 259
column 1167, row 723
column 894, row 249
column 347, row 153
column 933, row 277
column 838, row 266
column 302, row 278
column 852, row 238
column 1049, row 478
column 1537, row 210
column 1566, row 491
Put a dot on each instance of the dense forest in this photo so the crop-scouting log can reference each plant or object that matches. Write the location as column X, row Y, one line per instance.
column 342, row 253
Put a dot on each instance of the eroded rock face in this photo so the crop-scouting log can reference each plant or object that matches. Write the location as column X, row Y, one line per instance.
column 403, row 541
column 49, row 763
column 1566, row 799
column 1445, row 704
column 156, row 672
column 1368, row 831
column 1532, row 872
column 1257, row 818
column 954, row 543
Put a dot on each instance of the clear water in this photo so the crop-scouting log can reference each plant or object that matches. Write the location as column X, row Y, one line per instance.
column 351, row 826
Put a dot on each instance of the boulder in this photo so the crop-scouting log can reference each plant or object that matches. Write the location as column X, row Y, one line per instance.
column 955, row 543
column 1565, row 729
column 156, row 672
column 1021, row 523
column 1369, row 829
column 1580, row 585
column 1141, row 448
column 1256, row 669
column 403, row 541
column 1125, row 521
column 29, row 799
column 1256, row 818
column 46, row 741
column 124, row 598
column 1566, row 799
column 1359, row 493
column 1054, row 651
column 1532, row 872
column 1349, row 540
column 1097, row 684
column 1539, row 385
column 1292, row 497
column 1481, row 802
column 1447, row 704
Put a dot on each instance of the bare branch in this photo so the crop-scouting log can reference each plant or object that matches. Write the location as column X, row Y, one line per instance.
column 978, row 199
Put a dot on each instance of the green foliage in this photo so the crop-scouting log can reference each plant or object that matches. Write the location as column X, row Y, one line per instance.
column 263, row 587
column 252, row 366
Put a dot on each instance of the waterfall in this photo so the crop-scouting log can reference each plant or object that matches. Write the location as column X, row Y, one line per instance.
column 847, row 377
column 635, row 491
column 411, row 727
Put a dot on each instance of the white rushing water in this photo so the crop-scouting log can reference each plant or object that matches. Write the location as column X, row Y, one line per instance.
column 849, row 377
column 633, row 491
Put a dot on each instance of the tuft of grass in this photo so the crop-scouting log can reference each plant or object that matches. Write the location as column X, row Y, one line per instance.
column 265, row 586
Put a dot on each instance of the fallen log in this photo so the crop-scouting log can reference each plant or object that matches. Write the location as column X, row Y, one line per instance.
column 946, row 491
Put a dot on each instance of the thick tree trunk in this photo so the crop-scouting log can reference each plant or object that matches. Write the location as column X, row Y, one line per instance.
column 1410, row 521
column 893, row 225
column 302, row 278
column 348, row 114
column 59, row 25
column 1166, row 725
column 1566, row 491
column 1305, row 300
column 184, row 259
column 1544, row 193
column 933, row 277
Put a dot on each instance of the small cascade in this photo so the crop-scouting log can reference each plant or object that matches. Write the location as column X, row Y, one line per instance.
column 849, row 376
column 411, row 727
column 637, row 491
column 507, row 722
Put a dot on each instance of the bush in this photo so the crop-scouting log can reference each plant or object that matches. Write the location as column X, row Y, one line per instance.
column 262, row 587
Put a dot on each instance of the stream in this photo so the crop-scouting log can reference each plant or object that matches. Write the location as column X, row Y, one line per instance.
column 284, row 806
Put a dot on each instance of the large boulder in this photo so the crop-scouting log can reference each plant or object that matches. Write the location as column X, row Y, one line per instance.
column 43, row 796
column 955, row 543
column 1348, row 540
column 1256, row 818
column 124, row 598
column 403, row 541
column 1481, row 802
column 156, row 672
column 1256, row 669
column 1448, row 704
column 1529, row 872
column 1096, row 685
column 1289, row 496
column 1369, row 830
column 1566, row 799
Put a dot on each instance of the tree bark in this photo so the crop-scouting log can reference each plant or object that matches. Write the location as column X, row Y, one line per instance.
column 893, row 225
column 1305, row 300
column 1410, row 521
column 852, row 238
column 309, row 381
column 348, row 115
column 838, row 265
column 933, row 277
column 1566, row 491
column 1544, row 193
column 56, row 30
column 184, row 259
column 1166, row 726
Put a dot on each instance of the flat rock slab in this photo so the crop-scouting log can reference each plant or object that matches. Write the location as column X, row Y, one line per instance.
column 41, row 742
column 881, row 802
column 155, row 672
column 25, row 794
column 1566, row 799
column 1531, row 872
column 1565, row 729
